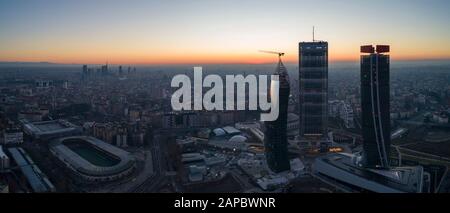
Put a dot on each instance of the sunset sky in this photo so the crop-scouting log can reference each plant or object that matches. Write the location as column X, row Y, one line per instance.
column 213, row 31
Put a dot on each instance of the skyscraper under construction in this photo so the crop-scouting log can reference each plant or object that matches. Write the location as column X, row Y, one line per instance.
column 275, row 140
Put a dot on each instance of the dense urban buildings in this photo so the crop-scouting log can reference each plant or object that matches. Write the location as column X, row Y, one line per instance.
column 313, row 91
column 276, row 131
column 215, row 151
column 375, row 116
column 179, row 97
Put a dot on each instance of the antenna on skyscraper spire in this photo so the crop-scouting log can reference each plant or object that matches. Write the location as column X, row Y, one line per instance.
column 313, row 35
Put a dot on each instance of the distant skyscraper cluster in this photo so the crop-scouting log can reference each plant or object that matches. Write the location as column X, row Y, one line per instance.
column 105, row 69
column 90, row 73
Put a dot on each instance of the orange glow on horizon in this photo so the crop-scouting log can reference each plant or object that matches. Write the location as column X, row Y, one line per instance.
column 217, row 32
column 256, row 58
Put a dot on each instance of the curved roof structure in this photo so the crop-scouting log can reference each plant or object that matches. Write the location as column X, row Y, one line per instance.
column 219, row 132
column 238, row 139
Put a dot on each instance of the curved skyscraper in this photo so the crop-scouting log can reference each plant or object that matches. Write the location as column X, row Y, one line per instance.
column 376, row 130
column 275, row 140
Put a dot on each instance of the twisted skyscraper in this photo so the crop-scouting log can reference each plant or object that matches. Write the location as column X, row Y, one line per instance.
column 276, row 131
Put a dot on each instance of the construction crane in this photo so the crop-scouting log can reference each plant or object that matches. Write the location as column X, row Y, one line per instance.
column 273, row 52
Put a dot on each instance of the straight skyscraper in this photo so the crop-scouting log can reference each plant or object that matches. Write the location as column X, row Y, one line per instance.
column 313, row 100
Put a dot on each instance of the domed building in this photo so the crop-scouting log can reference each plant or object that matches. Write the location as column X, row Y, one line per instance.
column 219, row 132
column 238, row 139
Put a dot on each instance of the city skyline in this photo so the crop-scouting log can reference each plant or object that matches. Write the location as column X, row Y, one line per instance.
column 160, row 32
column 248, row 97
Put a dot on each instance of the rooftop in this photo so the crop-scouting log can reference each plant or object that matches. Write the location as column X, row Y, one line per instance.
column 50, row 128
column 342, row 166
column 231, row 130
column 2, row 154
column 31, row 172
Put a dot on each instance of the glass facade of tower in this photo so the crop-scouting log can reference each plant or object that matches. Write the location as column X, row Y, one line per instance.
column 375, row 109
column 275, row 140
column 313, row 80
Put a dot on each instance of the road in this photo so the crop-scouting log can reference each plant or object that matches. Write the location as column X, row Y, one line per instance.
column 243, row 181
column 423, row 154
column 158, row 178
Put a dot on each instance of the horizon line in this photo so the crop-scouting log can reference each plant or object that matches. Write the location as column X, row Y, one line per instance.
column 206, row 63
